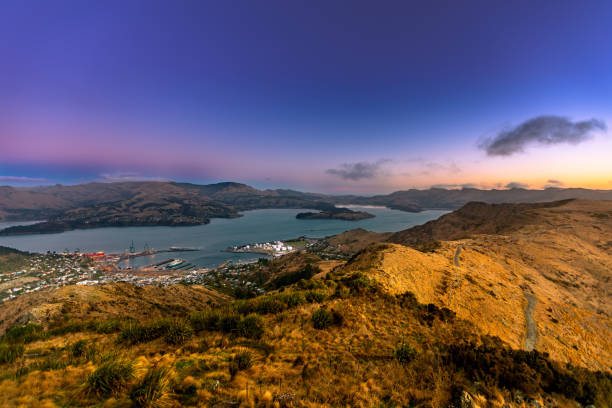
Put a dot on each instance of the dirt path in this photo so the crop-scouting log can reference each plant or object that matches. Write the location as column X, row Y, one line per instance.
column 532, row 331
column 457, row 252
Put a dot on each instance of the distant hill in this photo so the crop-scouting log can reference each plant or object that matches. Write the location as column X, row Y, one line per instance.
column 496, row 263
column 174, row 204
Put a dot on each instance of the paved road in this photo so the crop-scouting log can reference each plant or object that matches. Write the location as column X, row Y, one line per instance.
column 532, row 331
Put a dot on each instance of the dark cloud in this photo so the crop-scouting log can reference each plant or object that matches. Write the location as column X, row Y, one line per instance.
column 358, row 171
column 543, row 130
column 515, row 184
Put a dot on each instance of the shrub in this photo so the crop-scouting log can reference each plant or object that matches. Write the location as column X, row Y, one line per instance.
column 239, row 362
column 208, row 320
column 229, row 323
column 337, row 318
column 135, row 333
column 79, row 348
column 10, row 352
column 153, row 389
column 269, row 305
column 110, row 326
column 286, row 279
column 292, row 299
column 404, row 354
column 177, row 332
column 359, row 283
column 69, row 327
column 23, row 334
column 51, row 363
column 109, row 379
column 315, row 296
column 321, row 318
column 252, row 327
column 174, row 331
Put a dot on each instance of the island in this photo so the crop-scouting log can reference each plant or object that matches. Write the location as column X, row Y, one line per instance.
column 335, row 213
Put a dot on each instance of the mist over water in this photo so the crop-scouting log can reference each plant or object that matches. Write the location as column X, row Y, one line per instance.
column 213, row 238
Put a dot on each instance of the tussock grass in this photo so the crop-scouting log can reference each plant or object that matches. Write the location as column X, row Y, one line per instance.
column 10, row 352
column 174, row 331
column 228, row 321
column 109, row 379
column 239, row 362
column 154, row 390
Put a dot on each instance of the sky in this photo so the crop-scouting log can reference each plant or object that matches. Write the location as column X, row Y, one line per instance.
column 329, row 96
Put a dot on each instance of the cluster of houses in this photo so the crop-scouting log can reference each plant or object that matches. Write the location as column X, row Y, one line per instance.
column 42, row 272
column 276, row 248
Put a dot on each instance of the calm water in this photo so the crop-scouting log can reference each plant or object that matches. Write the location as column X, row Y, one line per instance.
column 211, row 239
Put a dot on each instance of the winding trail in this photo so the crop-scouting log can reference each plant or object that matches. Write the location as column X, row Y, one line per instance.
column 457, row 252
column 531, row 336
column 532, row 332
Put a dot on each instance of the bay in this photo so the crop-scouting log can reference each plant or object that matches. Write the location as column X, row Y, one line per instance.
column 211, row 239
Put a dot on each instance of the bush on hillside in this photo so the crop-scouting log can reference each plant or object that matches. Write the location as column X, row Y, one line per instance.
column 290, row 278
column 252, row 327
column 239, row 362
column 321, row 318
column 174, row 331
column 153, row 390
column 404, row 354
column 79, row 348
column 109, row 379
column 10, row 352
column 177, row 332
column 23, row 334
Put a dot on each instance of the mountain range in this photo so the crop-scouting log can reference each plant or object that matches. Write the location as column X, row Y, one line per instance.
column 170, row 203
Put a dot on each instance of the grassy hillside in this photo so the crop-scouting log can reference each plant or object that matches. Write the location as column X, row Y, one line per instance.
column 511, row 308
column 339, row 341
column 12, row 260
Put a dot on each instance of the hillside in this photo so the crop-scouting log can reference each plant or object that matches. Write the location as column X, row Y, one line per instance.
column 12, row 259
column 338, row 341
column 495, row 260
column 103, row 302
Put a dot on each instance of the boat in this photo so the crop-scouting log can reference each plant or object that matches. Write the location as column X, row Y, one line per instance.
column 174, row 262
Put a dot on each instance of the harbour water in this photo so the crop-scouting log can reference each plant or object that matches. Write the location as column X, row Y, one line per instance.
column 213, row 238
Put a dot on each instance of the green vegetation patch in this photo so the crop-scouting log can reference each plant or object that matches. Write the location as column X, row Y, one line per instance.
column 109, row 379
column 153, row 390
column 290, row 278
column 174, row 331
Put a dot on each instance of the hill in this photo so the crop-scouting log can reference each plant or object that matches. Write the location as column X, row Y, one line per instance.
column 174, row 204
column 12, row 259
column 341, row 340
column 536, row 275
column 487, row 318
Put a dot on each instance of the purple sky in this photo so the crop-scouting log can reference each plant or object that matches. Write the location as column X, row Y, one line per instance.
column 321, row 96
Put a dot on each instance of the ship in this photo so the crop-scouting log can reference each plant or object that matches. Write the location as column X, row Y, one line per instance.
column 174, row 262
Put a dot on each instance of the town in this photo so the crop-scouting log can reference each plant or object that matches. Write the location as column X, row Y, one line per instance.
column 54, row 270
column 277, row 248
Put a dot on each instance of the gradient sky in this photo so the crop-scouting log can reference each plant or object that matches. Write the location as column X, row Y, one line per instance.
column 331, row 96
